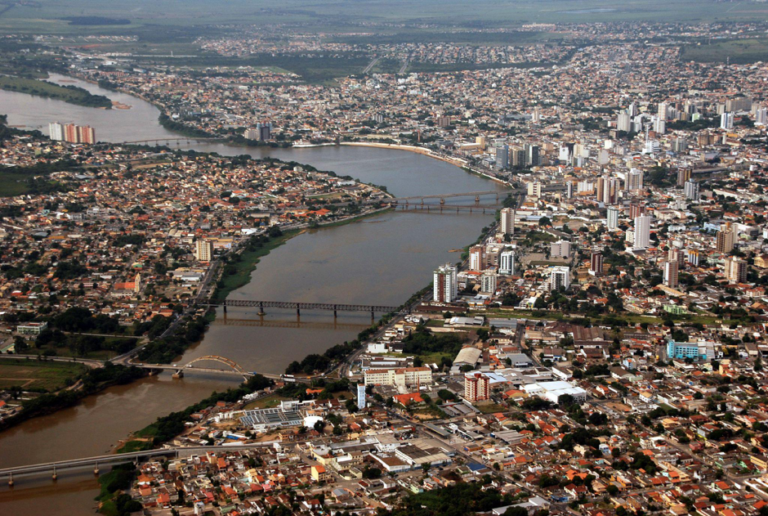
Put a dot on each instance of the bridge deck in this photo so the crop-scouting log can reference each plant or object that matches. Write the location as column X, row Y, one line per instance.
column 247, row 303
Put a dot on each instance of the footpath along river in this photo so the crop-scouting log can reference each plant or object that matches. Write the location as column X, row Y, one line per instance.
column 379, row 260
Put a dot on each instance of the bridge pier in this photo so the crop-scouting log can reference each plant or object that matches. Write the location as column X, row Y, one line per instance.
column 178, row 375
column 261, row 309
column 96, row 470
column 55, row 476
column 298, row 311
column 334, row 312
column 10, row 481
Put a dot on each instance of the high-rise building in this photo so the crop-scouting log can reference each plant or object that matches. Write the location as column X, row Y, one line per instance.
column 670, row 274
column 518, row 157
column 534, row 189
column 726, row 121
column 642, row 232
column 477, row 387
column 508, row 221
column 360, row 396
column 488, row 282
column 265, row 131
column 507, row 262
column 676, row 255
column 86, row 134
column 635, row 180
column 725, row 239
column 602, row 185
column 445, row 284
column 560, row 249
column 679, row 144
column 477, row 258
column 596, row 264
column 624, row 123
column 532, row 158
column 204, row 250
column 662, row 112
column 761, row 116
column 683, row 175
column 559, row 277
column 692, row 190
column 693, row 257
column 635, row 210
column 736, row 269
column 569, row 189
column 56, row 131
column 70, row 133
column 502, row 157
column 613, row 218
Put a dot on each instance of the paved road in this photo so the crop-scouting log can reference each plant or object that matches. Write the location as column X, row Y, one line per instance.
column 371, row 65
column 89, row 362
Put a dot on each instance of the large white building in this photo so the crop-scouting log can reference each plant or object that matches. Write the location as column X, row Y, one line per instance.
column 477, row 258
column 553, row 390
column 507, row 262
column 508, row 221
column 445, row 284
column 635, row 180
column 559, row 277
column 56, row 131
column 400, row 378
column 613, row 218
column 488, row 282
column 560, row 249
column 642, row 232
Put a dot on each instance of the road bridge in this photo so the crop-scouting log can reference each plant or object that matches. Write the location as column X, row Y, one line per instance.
column 96, row 462
column 157, row 141
column 447, row 208
column 232, row 369
column 299, row 306
column 476, row 195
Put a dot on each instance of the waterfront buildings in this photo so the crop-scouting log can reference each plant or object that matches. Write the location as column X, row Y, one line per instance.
column 401, row 378
column 445, row 284
column 507, row 221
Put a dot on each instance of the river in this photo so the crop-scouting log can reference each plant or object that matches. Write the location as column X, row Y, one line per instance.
column 379, row 260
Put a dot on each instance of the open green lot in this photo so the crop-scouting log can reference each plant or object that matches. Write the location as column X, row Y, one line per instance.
column 739, row 51
column 48, row 16
column 33, row 374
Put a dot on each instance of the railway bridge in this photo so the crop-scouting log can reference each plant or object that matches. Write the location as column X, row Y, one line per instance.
column 299, row 306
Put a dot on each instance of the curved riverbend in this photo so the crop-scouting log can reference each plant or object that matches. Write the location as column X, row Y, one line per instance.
column 381, row 259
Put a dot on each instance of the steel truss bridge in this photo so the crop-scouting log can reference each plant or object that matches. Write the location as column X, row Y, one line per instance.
column 298, row 306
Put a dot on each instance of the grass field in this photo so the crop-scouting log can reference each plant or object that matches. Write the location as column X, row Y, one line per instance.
column 270, row 401
column 740, row 51
column 12, row 184
column 33, row 374
column 48, row 16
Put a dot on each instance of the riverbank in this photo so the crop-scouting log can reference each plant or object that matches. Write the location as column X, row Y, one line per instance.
column 71, row 94
column 461, row 163
column 91, row 382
